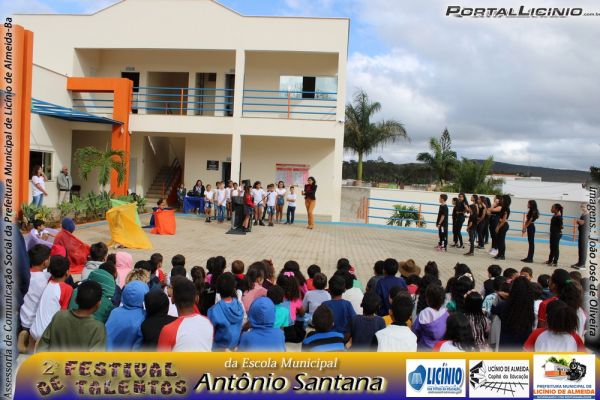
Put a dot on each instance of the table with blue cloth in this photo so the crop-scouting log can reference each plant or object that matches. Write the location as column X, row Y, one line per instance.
column 191, row 202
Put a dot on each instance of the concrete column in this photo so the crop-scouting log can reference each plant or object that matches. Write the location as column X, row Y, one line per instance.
column 338, row 158
column 220, row 84
column 240, row 65
column 192, row 84
column 236, row 156
column 341, row 87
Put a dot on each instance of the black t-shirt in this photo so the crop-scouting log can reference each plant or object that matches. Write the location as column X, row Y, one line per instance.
column 443, row 212
column 473, row 220
column 556, row 225
column 460, row 207
column 532, row 216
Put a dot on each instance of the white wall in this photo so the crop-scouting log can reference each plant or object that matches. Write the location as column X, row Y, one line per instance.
column 100, row 140
column 199, row 149
column 260, row 154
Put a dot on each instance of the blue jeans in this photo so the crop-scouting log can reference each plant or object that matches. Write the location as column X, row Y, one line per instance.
column 220, row 213
column 291, row 211
column 37, row 200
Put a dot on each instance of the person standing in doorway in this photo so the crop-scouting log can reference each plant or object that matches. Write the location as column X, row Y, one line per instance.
column 310, row 189
column 532, row 215
column 582, row 237
column 64, row 182
column 38, row 183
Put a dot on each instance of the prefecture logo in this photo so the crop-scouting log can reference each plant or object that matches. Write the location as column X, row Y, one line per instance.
column 435, row 378
column 564, row 376
column 499, row 378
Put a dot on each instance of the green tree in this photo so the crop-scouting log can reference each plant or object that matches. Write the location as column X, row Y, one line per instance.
column 595, row 172
column 442, row 159
column 472, row 177
column 91, row 158
column 362, row 136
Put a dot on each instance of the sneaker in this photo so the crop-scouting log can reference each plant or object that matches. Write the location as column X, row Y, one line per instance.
column 494, row 252
column 548, row 262
column 554, row 264
column 499, row 258
column 577, row 266
column 469, row 254
column 261, row 223
column 527, row 260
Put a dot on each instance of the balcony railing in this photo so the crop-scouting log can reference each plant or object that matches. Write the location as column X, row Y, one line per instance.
column 257, row 103
column 289, row 104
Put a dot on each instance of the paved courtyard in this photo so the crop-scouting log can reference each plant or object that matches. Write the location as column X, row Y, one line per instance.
column 362, row 245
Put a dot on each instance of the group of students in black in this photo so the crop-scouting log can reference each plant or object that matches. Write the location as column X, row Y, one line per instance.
column 486, row 220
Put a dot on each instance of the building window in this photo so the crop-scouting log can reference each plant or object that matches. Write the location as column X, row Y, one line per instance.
column 43, row 159
column 308, row 87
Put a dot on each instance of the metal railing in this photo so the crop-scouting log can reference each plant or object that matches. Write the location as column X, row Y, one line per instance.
column 289, row 104
column 427, row 216
column 180, row 100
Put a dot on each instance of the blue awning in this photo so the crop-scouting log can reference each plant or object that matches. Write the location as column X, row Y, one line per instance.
column 53, row 110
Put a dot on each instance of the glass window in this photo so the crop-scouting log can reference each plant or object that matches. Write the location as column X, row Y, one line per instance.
column 42, row 158
column 291, row 84
column 326, row 87
column 308, row 87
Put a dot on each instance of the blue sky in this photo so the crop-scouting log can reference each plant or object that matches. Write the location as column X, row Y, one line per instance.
column 522, row 90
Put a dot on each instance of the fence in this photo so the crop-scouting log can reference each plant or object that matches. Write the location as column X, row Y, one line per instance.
column 289, row 104
column 381, row 211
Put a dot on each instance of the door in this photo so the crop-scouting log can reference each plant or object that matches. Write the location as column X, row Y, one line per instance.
column 226, row 171
column 135, row 78
column 229, row 92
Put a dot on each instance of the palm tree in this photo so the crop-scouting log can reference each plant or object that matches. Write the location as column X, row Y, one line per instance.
column 442, row 159
column 90, row 158
column 362, row 136
column 472, row 177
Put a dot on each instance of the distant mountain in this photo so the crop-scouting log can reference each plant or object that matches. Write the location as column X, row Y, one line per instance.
column 547, row 174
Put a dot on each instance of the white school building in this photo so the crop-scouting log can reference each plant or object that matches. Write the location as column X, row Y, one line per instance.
column 216, row 95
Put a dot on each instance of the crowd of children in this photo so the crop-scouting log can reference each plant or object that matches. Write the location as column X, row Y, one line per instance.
column 122, row 306
column 490, row 221
column 260, row 205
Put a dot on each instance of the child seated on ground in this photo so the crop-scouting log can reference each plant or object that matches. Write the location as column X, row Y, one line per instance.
column 56, row 296
column 527, row 273
column 39, row 259
column 430, row 324
column 98, row 253
column 480, row 324
column 493, row 298
column 295, row 332
column 39, row 230
column 312, row 271
column 190, row 331
column 156, row 304
column 124, row 324
column 365, row 326
column 377, row 275
column 510, row 274
column 227, row 315
column 343, row 312
column 238, row 268
column 324, row 337
column 178, row 271
column 314, row 298
column 389, row 280
column 494, row 271
column 262, row 336
column 398, row 337
column 544, row 281
column 353, row 294
column 343, row 264
column 282, row 313
column 458, row 336
column 157, row 262
column 153, row 282
column 395, row 291
column 254, row 278
column 561, row 333
column 178, row 261
column 77, row 330
column 110, row 267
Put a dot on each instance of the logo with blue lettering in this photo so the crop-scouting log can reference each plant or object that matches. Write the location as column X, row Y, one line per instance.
column 416, row 379
column 435, row 378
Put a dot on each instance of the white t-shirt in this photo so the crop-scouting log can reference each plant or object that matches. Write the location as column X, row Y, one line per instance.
column 209, row 195
column 235, row 192
column 39, row 234
column 37, row 180
column 37, row 284
column 187, row 333
column 271, row 198
column 396, row 338
column 257, row 196
column 228, row 193
column 221, row 196
column 281, row 192
column 291, row 199
column 354, row 296
column 56, row 297
column 448, row 346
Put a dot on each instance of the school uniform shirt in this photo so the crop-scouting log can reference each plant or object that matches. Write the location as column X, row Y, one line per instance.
column 354, row 296
column 291, row 199
column 192, row 332
column 280, row 192
column 37, row 283
column 209, row 195
column 444, row 346
column 543, row 307
column 396, row 338
column 363, row 331
column 257, row 196
column 68, row 332
column 323, row 341
column 235, row 192
column 313, row 299
column 271, row 199
column 39, row 234
column 56, row 297
column 221, row 197
column 343, row 314
column 228, row 194
column 543, row 340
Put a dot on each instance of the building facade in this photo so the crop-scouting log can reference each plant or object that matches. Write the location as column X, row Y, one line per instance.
column 222, row 95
